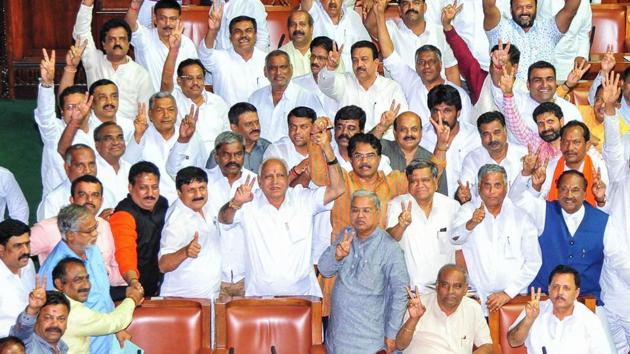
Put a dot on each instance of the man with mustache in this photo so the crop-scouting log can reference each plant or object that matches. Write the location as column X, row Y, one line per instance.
column 137, row 227
column 72, row 279
column 251, row 8
column 337, row 21
column 300, row 26
column 280, row 96
column 132, row 79
column 17, row 272
column 560, row 324
column 151, row 45
column 87, row 191
column 410, row 32
column 112, row 168
column 237, row 71
column 78, row 228
column 190, row 247
column 536, row 38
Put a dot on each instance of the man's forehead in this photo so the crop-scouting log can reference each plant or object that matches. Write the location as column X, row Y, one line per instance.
column 109, row 88
column 88, row 187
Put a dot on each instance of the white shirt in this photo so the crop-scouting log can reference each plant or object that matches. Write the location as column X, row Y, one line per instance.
column 348, row 31
column 425, row 241
column 499, row 256
column 146, row 12
column 251, row 8
column 233, row 78
column 11, row 197
column 480, row 156
column 579, row 333
column 301, row 62
column 273, row 118
column 213, row 116
column 284, row 149
column 466, row 140
column 14, row 294
column 184, row 155
column 307, row 82
column 195, row 277
column 60, row 197
column 116, row 182
column 279, row 243
column 125, row 124
column 346, row 90
column 151, row 53
column 415, row 91
column 437, row 333
column 133, row 81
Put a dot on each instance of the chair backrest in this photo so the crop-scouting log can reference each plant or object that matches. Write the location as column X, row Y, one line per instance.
column 172, row 325
column 277, row 18
column 253, row 325
column 610, row 23
column 500, row 322
column 579, row 96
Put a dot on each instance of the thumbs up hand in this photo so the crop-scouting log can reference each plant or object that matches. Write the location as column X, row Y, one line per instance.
column 193, row 248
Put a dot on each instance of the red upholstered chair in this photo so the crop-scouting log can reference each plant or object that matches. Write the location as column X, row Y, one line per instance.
column 254, row 324
column 610, row 22
column 277, row 18
column 195, row 22
column 500, row 322
column 172, row 325
column 579, row 95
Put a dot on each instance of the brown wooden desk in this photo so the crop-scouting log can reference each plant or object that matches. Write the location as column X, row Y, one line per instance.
column 620, row 66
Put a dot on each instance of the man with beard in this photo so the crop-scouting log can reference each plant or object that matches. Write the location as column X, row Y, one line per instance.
column 112, row 168
column 133, row 81
column 536, row 39
column 410, row 32
column 238, row 71
column 137, row 226
column 17, row 272
column 300, row 25
column 281, row 95
column 151, row 45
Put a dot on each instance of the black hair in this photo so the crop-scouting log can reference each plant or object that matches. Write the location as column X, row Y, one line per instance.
column 302, row 112
column 541, row 64
column 11, row 228
column 99, row 129
column 188, row 62
column 586, row 133
column 59, row 272
column 490, row 117
column 99, row 83
column 188, row 175
column 238, row 19
column 167, row 4
column 85, row 179
column 514, row 55
column 322, row 41
column 141, row 167
column 8, row 340
column 446, row 94
column 351, row 112
column 111, row 24
column 565, row 269
column 569, row 173
column 240, row 108
column 547, row 107
column 364, row 139
column 54, row 297
column 365, row 44
column 419, row 165
column 70, row 90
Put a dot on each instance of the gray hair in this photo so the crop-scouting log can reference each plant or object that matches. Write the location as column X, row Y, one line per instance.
column 158, row 95
column 452, row 266
column 422, row 164
column 284, row 163
column 491, row 168
column 70, row 217
column 228, row 137
column 67, row 156
column 363, row 193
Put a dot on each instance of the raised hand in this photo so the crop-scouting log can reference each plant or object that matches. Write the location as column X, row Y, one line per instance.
column 532, row 308
column 73, row 56
column 343, row 247
column 175, row 38
column 404, row 219
column 334, row 57
column 530, row 161
column 611, row 88
column 608, row 61
column 140, row 124
column 477, row 217
column 194, row 247
column 47, row 68
column 214, row 17
column 244, row 192
column 82, row 112
column 539, row 175
column 188, row 125
column 37, row 297
column 319, row 132
column 506, row 82
column 501, row 56
column 579, row 69
column 463, row 193
column 442, row 132
column 388, row 117
column 448, row 14
column 599, row 188
column 414, row 306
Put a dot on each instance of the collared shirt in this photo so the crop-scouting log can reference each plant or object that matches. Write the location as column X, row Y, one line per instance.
column 194, row 277
column 125, row 124
column 466, row 140
column 346, row 90
column 151, row 53
column 415, row 91
column 279, row 243
column 116, row 182
column 301, row 62
column 25, row 330
column 213, row 118
column 307, row 81
column 45, row 235
column 233, row 78
column 348, row 31
column 11, row 197
column 538, row 43
column 437, row 333
column 369, row 298
column 185, row 154
column 579, row 333
column 146, row 13
column 284, row 149
column 273, row 117
column 253, row 159
column 499, row 256
column 252, row 8
column 84, row 323
column 133, row 81
column 14, row 294
column 425, row 241
column 60, row 197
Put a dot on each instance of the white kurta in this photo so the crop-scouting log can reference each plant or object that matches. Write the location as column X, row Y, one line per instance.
column 116, row 182
column 301, row 62
column 184, row 155
column 284, row 149
column 60, row 197
column 307, row 81
column 251, row 8
column 12, row 198
column 14, row 294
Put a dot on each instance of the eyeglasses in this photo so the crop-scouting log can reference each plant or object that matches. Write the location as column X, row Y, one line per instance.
column 368, row 156
column 318, row 57
column 89, row 231
column 187, row 78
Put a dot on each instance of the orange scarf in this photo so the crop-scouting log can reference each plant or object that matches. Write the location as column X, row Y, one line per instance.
column 588, row 173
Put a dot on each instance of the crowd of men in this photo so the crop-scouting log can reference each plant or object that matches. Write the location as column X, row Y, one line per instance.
column 417, row 172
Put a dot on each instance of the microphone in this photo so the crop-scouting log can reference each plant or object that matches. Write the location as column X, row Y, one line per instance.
column 273, row 349
column 544, row 350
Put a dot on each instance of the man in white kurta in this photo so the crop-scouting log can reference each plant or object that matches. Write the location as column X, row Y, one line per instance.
column 113, row 170
column 11, row 197
column 502, row 259
column 293, row 149
column 251, row 8
column 300, row 25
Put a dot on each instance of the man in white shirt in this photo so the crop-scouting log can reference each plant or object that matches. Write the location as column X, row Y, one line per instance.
column 338, row 22
column 366, row 88
column 420, row 221
column 502, row 259
column 145, row 14
column 281, row 96
column 11, row 197
column 151, row 45
column 190, row 251
column 133, row 81
column 300, row 25
column 251, row 8
column 17, row 272
column 282, row 264
column 446, row 321
column 294, row 148
column 237, row 71
column 494, row 149
column 113, row 170
column 411, row 31
column 559, row 324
